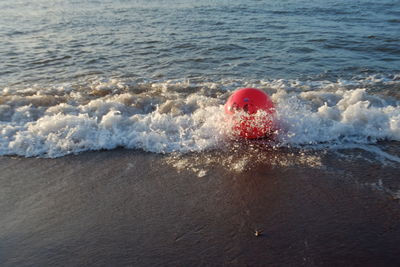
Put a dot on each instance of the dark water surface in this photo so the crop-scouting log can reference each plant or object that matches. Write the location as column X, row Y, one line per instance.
column 63, row 40
column 127, row 208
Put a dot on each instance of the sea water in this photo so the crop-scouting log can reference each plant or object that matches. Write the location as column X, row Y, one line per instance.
column 130, row 76
column 154, row 75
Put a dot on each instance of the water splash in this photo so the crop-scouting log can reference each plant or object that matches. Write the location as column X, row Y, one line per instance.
column 186, row 115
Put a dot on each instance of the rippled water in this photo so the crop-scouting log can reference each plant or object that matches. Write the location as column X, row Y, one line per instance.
column 63, row 40
column 154, row 75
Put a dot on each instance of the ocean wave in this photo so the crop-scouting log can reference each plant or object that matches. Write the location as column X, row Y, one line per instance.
column 186, row 115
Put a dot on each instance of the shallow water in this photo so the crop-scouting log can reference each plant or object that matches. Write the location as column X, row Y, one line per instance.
column 125, row 207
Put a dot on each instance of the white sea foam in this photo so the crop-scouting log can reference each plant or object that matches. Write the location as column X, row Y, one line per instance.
column 184, row 115
column 352, row 116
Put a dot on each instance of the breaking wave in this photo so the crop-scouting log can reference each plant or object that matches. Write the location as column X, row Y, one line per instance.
column 186, row 115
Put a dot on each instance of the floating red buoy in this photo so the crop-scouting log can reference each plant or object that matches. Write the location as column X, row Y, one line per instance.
column 252, row 111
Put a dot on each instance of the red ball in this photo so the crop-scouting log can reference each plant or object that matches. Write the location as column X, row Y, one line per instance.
column 252, row 113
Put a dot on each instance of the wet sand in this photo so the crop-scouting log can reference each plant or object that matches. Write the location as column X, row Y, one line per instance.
column 130, row 208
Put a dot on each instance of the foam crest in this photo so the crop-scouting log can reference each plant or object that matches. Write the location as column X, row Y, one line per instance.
column 60, row 134
column 341, row 116
column 186, row 115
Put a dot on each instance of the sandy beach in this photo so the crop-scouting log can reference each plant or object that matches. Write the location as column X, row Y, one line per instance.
column 130, row 208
